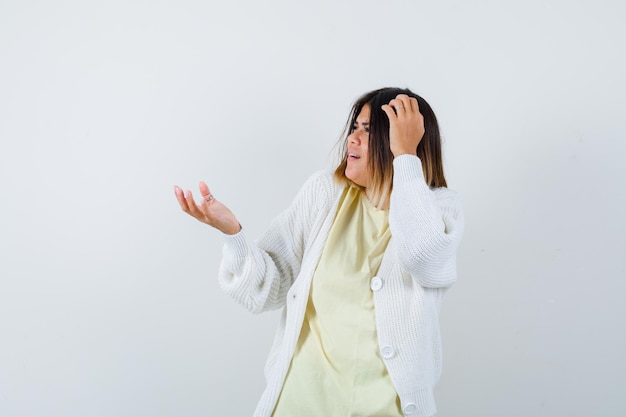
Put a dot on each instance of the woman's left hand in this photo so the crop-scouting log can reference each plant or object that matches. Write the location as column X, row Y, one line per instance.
column 406, row 125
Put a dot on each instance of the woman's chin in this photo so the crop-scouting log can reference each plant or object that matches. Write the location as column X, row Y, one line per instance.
column 358, row 180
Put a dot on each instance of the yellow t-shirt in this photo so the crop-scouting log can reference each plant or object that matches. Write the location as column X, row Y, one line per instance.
column 337, row 370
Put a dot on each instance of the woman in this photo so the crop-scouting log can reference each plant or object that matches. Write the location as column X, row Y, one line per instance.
column 359, row 263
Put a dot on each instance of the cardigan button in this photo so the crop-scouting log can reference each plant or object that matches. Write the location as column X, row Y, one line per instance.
column 409, row 409
column 387, row 352
column 376, row 284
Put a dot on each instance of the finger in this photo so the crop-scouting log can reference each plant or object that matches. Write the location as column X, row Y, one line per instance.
column 193, row 208
column 204, row 189
column 181, row 198
column 404, row 102
column 399, row 106
column 415, row 107
column 389, row 111
column 205, row 192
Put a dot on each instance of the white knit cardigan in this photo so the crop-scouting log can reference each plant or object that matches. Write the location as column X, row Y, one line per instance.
column 417, row 267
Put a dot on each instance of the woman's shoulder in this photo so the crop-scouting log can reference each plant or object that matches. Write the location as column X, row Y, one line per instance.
column 321, row 187
column 446, row 197
column 323, row 180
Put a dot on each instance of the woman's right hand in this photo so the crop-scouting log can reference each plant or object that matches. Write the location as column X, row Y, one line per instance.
column 209, row 211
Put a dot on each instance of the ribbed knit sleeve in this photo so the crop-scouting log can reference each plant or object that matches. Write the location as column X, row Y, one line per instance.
column 259, row 274
column 426, row 224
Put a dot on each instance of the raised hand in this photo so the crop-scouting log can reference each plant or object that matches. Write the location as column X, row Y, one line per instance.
column 209, row 211
column 406, row 125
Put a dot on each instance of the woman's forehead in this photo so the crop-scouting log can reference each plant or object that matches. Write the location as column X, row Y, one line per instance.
column 364, row 114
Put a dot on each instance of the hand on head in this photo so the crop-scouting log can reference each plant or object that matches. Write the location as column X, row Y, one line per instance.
column 406, row 124
column 209, row 211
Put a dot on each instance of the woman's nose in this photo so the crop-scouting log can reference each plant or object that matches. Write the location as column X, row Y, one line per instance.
column 354, row 137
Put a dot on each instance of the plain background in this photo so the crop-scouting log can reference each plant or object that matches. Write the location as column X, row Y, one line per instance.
column 109, row 302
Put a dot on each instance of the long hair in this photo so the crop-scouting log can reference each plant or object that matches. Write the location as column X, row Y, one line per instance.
column 380, row 158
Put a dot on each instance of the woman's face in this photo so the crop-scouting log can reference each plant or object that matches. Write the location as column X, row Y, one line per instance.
column 358, row 170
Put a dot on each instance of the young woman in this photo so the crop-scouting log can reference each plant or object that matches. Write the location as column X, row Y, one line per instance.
column 359, row 263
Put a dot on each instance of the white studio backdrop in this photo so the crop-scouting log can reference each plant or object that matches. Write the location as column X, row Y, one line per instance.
column 109, row 302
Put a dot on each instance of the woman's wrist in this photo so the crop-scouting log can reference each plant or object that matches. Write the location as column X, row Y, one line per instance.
column 232, row 230
column 404, row 152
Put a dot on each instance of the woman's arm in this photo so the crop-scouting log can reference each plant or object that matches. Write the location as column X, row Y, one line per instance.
column 427, row 225
column 258, row 275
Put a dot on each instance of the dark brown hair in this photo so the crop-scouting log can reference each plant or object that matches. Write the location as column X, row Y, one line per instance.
column 380, row 158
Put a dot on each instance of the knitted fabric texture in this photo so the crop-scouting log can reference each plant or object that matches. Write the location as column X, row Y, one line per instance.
column 417, row 268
